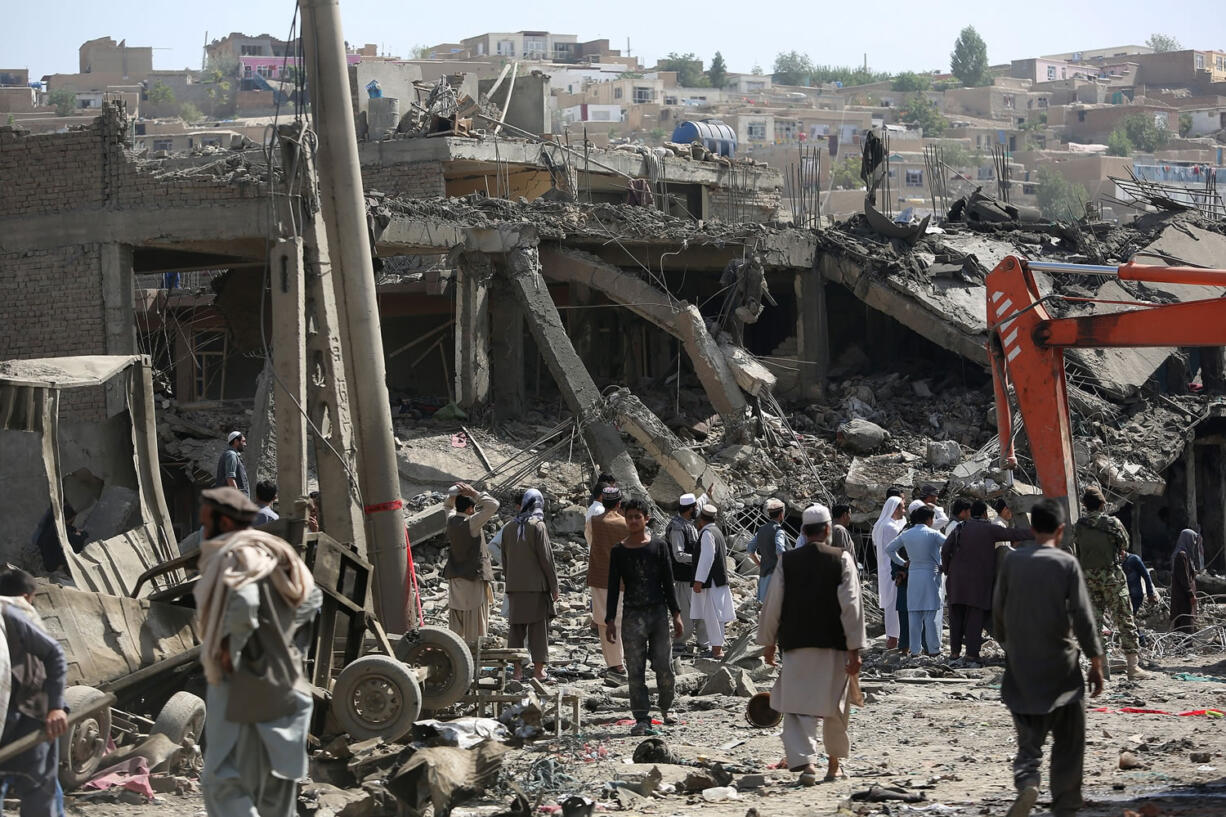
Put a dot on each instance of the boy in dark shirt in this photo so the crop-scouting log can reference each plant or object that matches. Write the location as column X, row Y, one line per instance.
column 642, row 566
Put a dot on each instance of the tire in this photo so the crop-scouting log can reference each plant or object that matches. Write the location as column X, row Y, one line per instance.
column 376, row 697
column 181, row 719
column 84, row 744
column 446, row 656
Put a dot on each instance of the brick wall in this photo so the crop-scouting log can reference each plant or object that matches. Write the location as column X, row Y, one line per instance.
column 418, row 180
column 89, row 168
column 743, row 205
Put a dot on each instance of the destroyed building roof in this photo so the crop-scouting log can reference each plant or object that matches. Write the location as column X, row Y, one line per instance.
column 64, row 372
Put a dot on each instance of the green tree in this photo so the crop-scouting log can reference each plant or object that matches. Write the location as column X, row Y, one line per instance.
column 792, row 68
column 420, row 52
column 1144, row 132
column 657, row 134
column 846, row 75
column 688, row 68
column 189, row 113
column 845, row 173
column 64, row 100
column 957, row 155
column 1185, row 124
column 1060, row 199
column 717, row 74
column 161, row 93
column 922, row 112
column 1118, row 143
column 911, row 81
column 1162, row 43
column 969, row 60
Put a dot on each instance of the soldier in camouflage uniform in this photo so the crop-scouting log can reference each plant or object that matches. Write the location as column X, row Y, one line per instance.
column 1101, row 543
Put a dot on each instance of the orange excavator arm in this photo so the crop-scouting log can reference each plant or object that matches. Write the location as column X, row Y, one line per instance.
column 1026, row 348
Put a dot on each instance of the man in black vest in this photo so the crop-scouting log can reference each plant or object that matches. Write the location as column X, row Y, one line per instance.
column 712, row 599
column 682, row 539
column 814, row 614
column 768, row 544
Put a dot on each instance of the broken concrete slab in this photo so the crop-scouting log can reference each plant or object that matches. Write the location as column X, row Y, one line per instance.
column 944, row 453
column 869, row 478
column 682, row 320
column 690, row 471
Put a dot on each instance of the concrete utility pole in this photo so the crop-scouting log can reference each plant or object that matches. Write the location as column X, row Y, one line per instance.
column 344, row 210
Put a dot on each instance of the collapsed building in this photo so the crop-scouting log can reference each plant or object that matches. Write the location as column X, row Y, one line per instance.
column 558, row 288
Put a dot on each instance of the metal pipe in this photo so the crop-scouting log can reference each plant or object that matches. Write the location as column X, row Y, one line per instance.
column 1074, row 269
column 344, row 211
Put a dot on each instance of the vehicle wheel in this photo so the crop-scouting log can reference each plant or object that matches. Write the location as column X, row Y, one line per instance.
column 84, row 744
column 181, row 719
column 446, row 656
column 376, row 697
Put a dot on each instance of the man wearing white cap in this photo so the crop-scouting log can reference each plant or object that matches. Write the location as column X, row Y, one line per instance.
column 819, row 625
column 682, row 539
column 712, row 600
column 230, row 469
column 768, row 544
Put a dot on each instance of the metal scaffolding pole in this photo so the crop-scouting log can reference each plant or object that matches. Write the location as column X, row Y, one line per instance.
column 344, row 210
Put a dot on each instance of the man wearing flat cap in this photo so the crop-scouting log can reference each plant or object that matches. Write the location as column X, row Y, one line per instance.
column 254, row 601
column 768, row 544
column 814, row 614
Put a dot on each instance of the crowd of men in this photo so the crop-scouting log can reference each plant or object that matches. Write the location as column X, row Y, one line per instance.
column 1043, row 597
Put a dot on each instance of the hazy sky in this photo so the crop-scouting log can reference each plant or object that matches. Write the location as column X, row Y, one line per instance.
column 45, row 36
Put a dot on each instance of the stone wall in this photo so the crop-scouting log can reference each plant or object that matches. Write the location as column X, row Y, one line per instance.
column 731, row 205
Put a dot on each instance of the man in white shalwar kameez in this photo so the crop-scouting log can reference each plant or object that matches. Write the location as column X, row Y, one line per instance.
column 712, row 599
column 889, row 525
column 819, row 625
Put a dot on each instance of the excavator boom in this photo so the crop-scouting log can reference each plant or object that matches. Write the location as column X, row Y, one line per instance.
column 1026, row 348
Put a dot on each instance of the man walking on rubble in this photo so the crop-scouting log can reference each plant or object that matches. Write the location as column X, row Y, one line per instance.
column 1101, row 543
column 33, row 669
column 968, row 559
column 230, row 469
column 254, row 603
column 642, row 564
column 712, row 601
column 608, row 529
column 531, row 581
column 468, row 571
column 683, row 546
column 1040, row 606
column 814, row 614
column 770, row 542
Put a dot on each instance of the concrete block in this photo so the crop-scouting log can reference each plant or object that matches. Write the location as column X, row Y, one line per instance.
column 861, row 436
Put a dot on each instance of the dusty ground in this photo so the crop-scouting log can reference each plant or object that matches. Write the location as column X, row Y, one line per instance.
column 949, row 738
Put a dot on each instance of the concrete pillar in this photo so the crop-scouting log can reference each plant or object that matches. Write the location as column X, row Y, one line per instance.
column 344, row 211
column 582, row 397
column 118, row 314
column 812, row 333
column 507, row 353
column 260, row 455
column 327, row 403
column 1213, row 369
column 472, row 330
column 286, row 282
column 1211, row 474
column 1190, row 478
